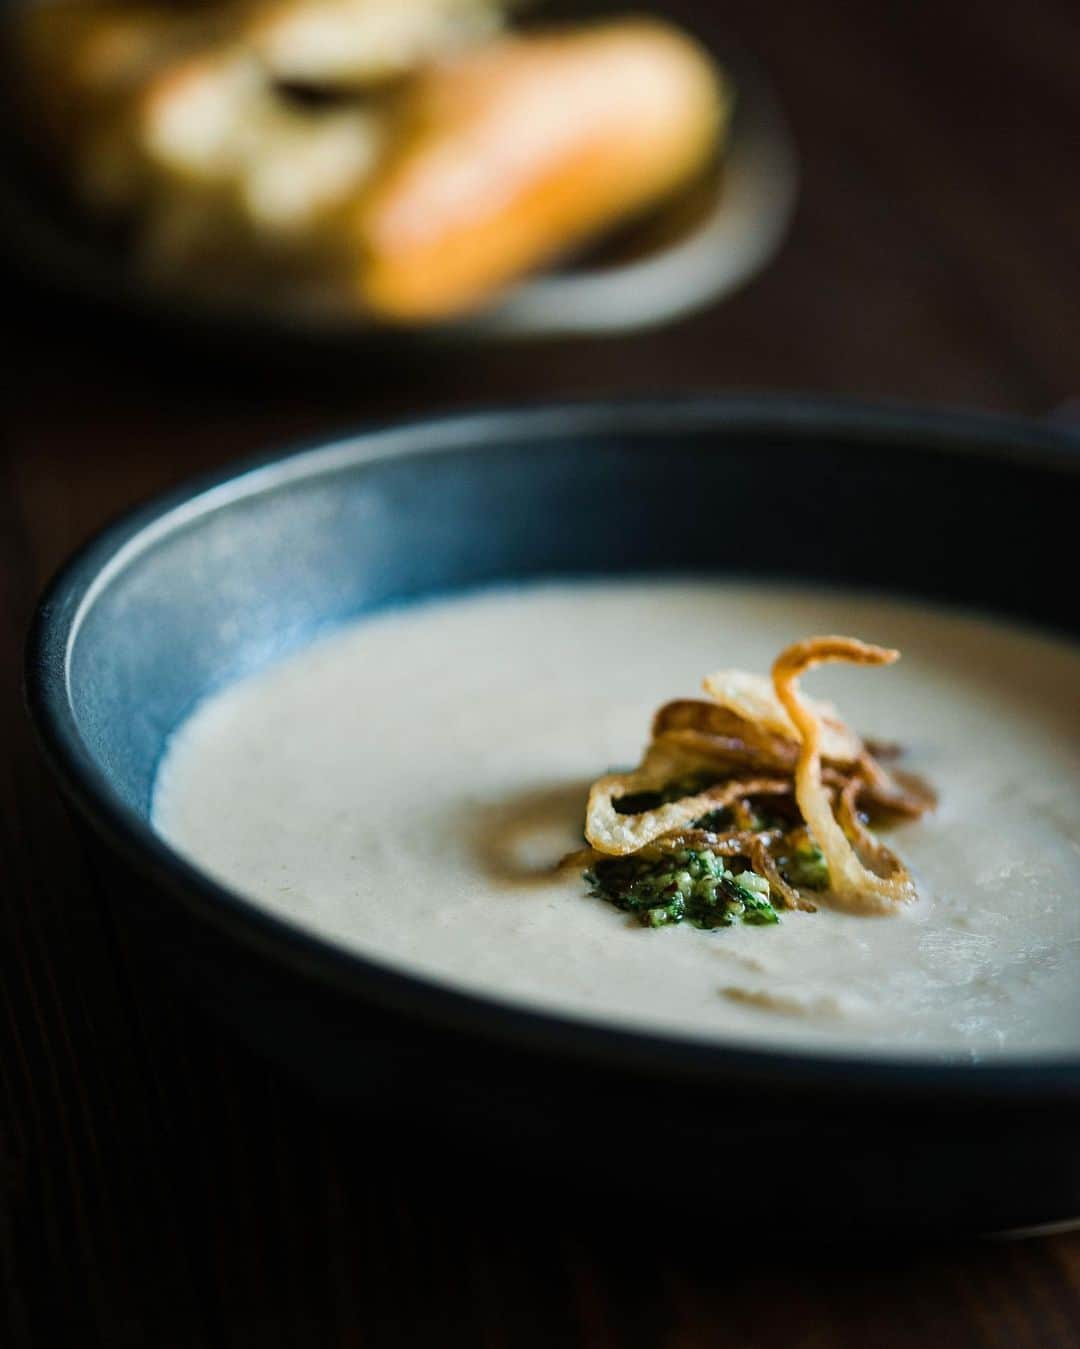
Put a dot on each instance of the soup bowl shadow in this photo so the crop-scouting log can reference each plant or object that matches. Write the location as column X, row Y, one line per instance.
column 227, row 575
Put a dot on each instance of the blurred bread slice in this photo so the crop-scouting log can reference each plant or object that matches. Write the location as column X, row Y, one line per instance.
column 513, row 152
column 356, row 43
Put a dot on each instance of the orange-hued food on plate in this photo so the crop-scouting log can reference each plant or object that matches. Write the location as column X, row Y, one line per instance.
column 408, row 159
column 513, row 152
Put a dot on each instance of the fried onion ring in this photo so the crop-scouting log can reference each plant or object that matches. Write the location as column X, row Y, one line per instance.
column 851, row 883
column 755, row 699
column 617, row 835
column 734, row 843
column 721, row 735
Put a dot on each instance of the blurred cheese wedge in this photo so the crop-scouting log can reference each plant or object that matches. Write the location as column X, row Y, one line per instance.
column 354, row 43
column 514, row 151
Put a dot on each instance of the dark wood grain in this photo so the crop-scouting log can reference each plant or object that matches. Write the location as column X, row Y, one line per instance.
column 163, row 1188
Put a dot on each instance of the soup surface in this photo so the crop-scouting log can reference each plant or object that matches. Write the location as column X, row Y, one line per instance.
column 403, row 787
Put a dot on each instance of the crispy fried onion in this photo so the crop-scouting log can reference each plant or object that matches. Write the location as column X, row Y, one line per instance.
column 755, row 699
column 864, row 875
column 719, row 738
column 757, row 738
column 616, row 834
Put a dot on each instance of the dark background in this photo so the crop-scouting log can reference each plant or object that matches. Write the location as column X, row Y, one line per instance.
column 162, row 1188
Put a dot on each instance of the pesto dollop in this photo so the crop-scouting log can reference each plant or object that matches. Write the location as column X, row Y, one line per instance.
column 665, row 887
column 662, row 886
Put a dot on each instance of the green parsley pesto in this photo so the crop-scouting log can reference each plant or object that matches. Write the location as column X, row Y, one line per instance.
column 661, row 888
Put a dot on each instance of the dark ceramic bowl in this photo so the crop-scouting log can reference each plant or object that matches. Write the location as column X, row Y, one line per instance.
column 130, row 636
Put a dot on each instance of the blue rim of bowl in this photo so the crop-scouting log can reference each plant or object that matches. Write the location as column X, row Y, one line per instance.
column 427, row 1002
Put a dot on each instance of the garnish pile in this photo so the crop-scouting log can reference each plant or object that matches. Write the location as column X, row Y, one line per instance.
column 751, row 803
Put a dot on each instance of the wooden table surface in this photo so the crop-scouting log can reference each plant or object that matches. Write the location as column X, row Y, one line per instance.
column 160, row 1187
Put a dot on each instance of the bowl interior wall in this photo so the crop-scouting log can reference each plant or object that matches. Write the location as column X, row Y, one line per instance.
column 253, row 571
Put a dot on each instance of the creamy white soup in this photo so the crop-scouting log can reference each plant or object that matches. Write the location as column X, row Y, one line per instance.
column 403, row 788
